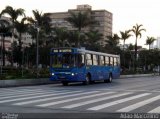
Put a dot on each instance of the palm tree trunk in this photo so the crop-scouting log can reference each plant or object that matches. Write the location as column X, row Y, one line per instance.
column 3, row 50
column 135, row 56
column 20, row 48
column 123, row 53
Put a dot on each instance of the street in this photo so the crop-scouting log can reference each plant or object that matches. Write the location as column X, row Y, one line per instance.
column 129, row 95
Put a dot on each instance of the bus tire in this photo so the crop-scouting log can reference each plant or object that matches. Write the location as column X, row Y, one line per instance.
column 87, row 79
column 64, row 83
column 110, row 78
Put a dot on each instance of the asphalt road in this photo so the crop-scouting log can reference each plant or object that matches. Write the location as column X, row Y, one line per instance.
column 121, row 97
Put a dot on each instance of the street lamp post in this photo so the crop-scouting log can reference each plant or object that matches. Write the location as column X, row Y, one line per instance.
column 37, row 52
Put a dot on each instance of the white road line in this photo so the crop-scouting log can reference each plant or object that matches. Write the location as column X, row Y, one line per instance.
column 25, row 94
column 17, row 91
column 139, row 104
column 95, row 100
column 53, row 103
column 156, row 110
column 51, row 98
column 25, row 98
column 117, row 102
column 74, row 99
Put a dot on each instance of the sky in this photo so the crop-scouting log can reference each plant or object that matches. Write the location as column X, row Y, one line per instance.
column 126, row 13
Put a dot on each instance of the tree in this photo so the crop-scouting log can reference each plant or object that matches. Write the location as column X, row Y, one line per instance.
column 5, row 30
column 14, row 14
column 124, row 36
column 21, row 27
column 93, row 38
column 42, row 23
column 80, row 20
column 60, row 36
column 137, row 32
column 111, row 43
column 73, row 37
column 149, row 41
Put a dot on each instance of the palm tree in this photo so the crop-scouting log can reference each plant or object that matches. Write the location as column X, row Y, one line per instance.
column 74, row 37
column 80, row 20
column 93, row 36
column 124, row 36
column 14, row 14
column 137, row 32
column 21, row 27
column 60, row 36
column 5, row 30
column 42, row 23
column 149, row 41
column 112, row 42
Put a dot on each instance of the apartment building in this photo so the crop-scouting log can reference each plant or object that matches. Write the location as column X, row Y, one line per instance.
column 26, row 38
column 156, row 44
column 103, row 17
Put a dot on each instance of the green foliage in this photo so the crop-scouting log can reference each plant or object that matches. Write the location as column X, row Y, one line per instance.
column 16, row 73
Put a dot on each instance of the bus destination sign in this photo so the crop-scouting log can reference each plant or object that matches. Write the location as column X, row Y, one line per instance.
column 61, row 50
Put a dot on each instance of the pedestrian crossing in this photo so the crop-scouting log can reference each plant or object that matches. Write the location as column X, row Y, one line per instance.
column 86, row 100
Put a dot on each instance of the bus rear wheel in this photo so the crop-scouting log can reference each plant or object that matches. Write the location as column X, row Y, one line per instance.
column 65, row 83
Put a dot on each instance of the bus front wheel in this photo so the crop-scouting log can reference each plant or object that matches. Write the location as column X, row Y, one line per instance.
column 87, row 80
column 109, row 80
column 65, row 83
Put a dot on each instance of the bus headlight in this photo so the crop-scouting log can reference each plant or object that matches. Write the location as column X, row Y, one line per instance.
column 52, row 74
column 72, row 74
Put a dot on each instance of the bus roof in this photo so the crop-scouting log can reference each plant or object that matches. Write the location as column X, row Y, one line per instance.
column 80, row 50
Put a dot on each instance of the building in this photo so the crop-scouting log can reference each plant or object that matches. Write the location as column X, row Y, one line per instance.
column 103, row 17
column 156, row 44
column 26, row 40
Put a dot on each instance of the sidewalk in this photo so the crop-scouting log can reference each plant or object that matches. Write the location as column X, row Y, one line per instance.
column 40, row 81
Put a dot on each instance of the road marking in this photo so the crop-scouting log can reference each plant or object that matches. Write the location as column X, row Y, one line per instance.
column 25, row 98
column 53, row 103
column 139, row 104
column 117, row 102
column 51, row 98
column 156, row 110
column 95, row 100
column 26, row 94
column 14, row 92
column 74, row 99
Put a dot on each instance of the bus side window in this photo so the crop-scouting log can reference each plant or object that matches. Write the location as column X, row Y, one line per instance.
column 88, row 59
column 80, row 60
column 118, row 61
column 95, row 59
column 115, row 61
column 111, row 61
column 101, row 60
column 107, row 63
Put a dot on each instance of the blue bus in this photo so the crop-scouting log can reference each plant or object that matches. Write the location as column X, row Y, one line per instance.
column 80, row 65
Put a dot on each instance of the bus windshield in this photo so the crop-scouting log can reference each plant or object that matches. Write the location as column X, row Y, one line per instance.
column 66, row 60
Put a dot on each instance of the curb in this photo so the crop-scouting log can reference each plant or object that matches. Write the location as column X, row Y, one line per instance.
column 25, row 82
column 136, row 75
